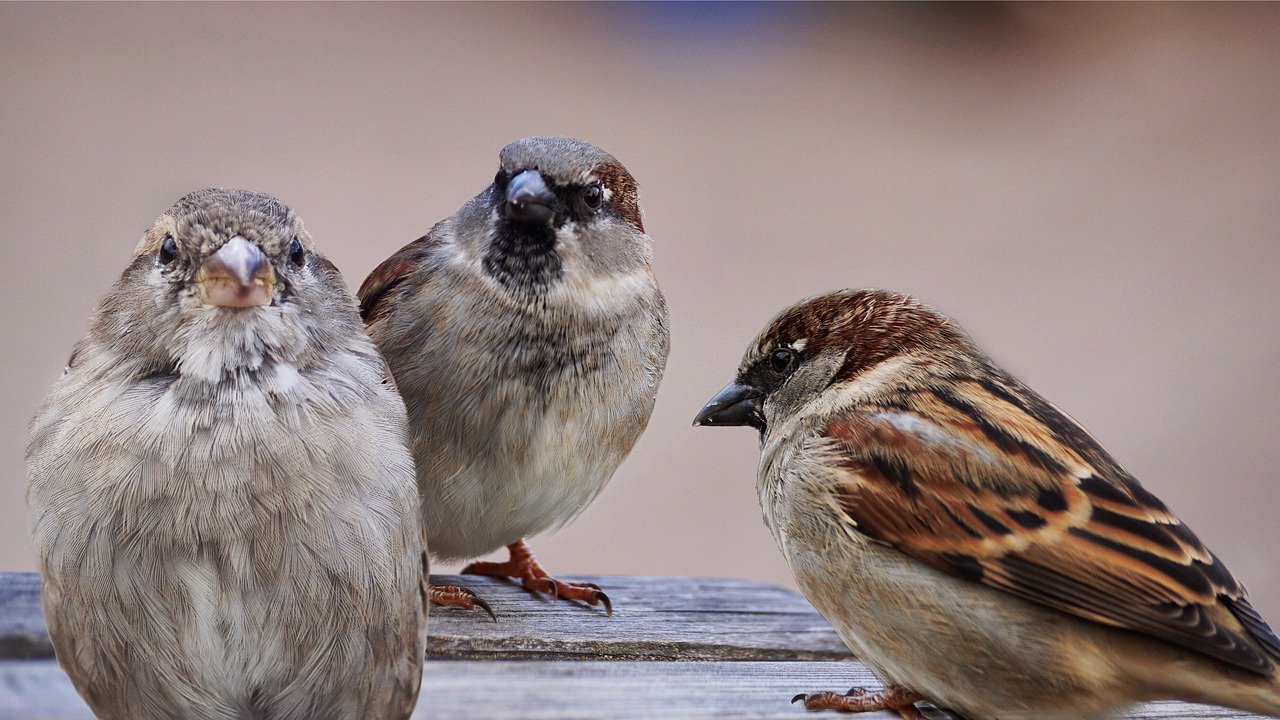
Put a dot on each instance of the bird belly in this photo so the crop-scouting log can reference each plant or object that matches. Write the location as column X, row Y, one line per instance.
column 955, row 642
column 520, row 411
column 201, row 634
column 212, row 585
column 498, row 499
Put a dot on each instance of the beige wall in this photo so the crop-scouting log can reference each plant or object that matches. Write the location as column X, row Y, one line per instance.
column 1092, row 191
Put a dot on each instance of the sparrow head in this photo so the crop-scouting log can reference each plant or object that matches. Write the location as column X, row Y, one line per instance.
column 227, row 251
column 557, row 207
column 875, row 340
column 223, row 279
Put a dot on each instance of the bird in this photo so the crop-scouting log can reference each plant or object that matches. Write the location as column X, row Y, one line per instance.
column 973, row 545
column 528, row 336
column 221, row 492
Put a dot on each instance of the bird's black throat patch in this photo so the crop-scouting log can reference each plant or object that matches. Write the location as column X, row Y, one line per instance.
column 523, row 258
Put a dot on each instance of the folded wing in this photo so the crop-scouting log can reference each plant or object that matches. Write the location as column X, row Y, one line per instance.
column 942, row 475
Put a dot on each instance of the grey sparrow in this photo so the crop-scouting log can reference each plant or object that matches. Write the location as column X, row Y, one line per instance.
column 528, row 336
column 222, row 497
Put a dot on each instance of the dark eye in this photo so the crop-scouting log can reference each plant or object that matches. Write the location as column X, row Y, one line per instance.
column 168, row 250
column 593, row 195
column 781, row 359
column 296, row 255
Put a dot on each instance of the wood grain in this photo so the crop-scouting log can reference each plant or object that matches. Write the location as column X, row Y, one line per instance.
column 22, row 631
column 755, row 645
column 573, row 690
column 655, row 618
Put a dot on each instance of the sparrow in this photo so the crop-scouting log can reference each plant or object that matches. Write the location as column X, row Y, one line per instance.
column 221, row 492
column 971, row 543
column 528, row 336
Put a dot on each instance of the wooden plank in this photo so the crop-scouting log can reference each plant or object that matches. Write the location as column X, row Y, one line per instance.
column 573, row 690
column 777, row 644
column 22, row 631
column 654, row 618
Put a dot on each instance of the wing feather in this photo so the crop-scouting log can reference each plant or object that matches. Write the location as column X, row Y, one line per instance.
column 987, row 481
column 378, row 291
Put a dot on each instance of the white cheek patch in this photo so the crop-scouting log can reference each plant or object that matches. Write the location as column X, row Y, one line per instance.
column 800, row 344
column 867, row 385
column 879, row 377
column 567, row 234
column 465, row 255
column 605, row 295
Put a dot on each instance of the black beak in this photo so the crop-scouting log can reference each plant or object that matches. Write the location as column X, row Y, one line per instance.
column 735, row 404
column 529, row 200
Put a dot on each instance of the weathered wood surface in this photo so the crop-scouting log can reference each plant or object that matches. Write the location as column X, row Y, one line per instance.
column 758, row 645
column 573, row 690
column 22, row 631
column 654, row 618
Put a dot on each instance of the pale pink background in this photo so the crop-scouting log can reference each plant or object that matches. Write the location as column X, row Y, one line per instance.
column 1091, row 190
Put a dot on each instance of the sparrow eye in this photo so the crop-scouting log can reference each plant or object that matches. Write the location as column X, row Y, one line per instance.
column 593, row 196
column 296, row 254
column 168, row 250
column 781, row 359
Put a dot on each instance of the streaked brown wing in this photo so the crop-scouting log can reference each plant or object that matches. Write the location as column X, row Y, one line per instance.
column 378, row 291
column 933, row 477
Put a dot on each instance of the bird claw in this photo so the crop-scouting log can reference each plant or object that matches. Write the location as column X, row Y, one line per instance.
column 604, row 600
column 818, row 700
column 523, row 567
column 588, row 593
column 480, row 603
column 857, row 700
column 459, row 597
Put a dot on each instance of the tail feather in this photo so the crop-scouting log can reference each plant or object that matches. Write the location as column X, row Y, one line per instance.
column 1256, row 626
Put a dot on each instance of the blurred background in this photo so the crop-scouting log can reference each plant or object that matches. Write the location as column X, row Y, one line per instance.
column 1090, row 189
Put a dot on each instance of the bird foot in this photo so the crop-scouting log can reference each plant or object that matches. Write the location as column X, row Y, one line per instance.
column 460, row 597
column 858, row 700
column 588, row 593
column 524, row 567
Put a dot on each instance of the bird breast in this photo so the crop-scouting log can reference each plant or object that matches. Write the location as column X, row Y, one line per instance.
column 521, row 413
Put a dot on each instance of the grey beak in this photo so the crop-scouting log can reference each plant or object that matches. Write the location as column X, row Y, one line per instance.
column 735, row 404
column 238, row 275
column 529, row 200
column 238, row 259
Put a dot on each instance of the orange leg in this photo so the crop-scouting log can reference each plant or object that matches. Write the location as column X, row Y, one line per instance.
column 858, row 700
column 524, row 567
column 454, row 596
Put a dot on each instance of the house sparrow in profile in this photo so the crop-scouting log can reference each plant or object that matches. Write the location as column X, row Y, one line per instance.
column 528, row 336
column 221, row 492
column 970, row 543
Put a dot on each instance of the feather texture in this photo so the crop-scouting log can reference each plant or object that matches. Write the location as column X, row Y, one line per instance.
column 983, row 479
column 970, row 542
column 222, row 500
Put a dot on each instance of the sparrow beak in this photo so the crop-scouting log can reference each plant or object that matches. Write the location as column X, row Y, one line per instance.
column 238, row 275
column 529, row 200
column 735, row 404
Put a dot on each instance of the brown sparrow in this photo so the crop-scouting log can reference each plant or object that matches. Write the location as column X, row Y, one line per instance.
column 972, row 544
column 528, row 336
column 221, row 493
